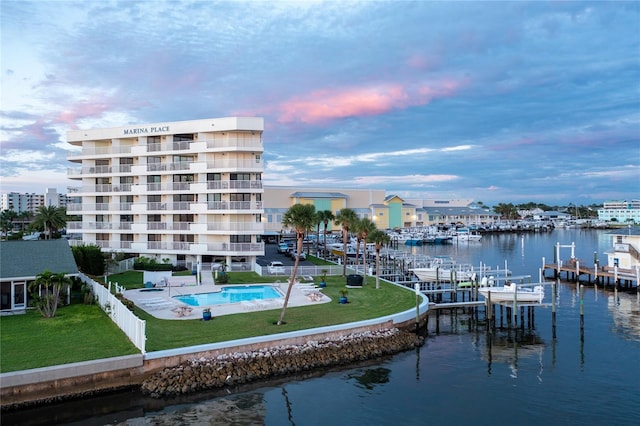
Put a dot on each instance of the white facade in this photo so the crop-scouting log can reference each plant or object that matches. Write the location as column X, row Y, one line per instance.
column 620, row 211
column 188, row 191
column 626, row 249
column 19, row 202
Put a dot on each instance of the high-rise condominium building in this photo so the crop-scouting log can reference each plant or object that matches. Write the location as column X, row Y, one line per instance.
column 187, row 191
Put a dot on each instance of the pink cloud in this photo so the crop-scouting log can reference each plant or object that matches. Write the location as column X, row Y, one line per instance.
column 324, row 105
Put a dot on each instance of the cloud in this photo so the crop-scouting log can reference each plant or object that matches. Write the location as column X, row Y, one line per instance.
column 369, row 100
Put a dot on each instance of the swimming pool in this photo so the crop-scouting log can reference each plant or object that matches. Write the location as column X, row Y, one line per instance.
column 231, row 294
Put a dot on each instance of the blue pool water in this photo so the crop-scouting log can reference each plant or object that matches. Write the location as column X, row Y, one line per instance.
column 231, row 294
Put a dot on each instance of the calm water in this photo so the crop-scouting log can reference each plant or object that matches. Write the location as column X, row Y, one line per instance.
column 231, row 294
column 461, row 375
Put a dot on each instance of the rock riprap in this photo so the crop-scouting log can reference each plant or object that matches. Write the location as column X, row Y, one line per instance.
column 243, row 367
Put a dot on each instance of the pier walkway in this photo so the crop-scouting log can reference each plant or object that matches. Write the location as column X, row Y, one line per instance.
column 573, row 271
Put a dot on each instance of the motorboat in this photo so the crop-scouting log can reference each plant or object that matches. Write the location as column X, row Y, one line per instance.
column 441, row 269
column 465, row 234
column 510, row 292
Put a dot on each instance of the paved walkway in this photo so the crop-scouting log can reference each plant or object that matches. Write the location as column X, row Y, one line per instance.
column 161, row 302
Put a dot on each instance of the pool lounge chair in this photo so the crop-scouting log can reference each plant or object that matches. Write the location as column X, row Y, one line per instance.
column 157, row 305
column 249, row 305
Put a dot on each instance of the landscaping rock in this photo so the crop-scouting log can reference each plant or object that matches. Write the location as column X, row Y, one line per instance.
column 241, row 367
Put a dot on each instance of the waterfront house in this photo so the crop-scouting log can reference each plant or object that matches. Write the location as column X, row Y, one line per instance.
column 625, row 253
column 22, row 261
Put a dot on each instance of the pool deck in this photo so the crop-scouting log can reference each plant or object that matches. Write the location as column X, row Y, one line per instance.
column 160, row 301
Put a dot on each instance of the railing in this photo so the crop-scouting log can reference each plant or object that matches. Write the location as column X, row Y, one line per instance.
column 627, row 248
column 171, row 226
column 171, row 146
column 102, row 151
column 181, row 165
column 234, row 205
column 235, row 226
column 236, row 247
column 131, row 325
column 309, row 271
column 234, row 184
column 166, row 245
column 234, row 141
column 243, row 163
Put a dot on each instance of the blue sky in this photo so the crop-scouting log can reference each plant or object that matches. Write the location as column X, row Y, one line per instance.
column 494, row 101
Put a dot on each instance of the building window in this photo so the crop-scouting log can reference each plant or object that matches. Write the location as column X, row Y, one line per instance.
column 240, row 176
column 240, row 197
column 183, row 137
column 240, row 238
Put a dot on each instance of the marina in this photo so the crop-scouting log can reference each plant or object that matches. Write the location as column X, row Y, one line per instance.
column 594, row 345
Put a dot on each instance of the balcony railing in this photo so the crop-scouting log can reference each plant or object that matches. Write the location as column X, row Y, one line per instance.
column 234, row 184
column 99, row 225
column 178, row 165
column 235, row 226
column 168, row 226
column 86, row 150
column 218, row 248
column 244, row 163
column 234, row 205
column 233, row 140
column 236, row 247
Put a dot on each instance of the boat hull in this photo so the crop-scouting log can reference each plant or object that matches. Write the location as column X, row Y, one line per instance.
column 432, row 274
column 510, row 293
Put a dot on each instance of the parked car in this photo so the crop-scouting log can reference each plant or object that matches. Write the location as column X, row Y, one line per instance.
column 283, row 248
column 303, row 255
column 275, row 267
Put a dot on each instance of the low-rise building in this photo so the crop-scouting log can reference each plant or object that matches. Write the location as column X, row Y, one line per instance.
column 625, row 252
column 620, row 211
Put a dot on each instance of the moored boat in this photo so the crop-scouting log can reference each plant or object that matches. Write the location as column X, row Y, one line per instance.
column 512, row 292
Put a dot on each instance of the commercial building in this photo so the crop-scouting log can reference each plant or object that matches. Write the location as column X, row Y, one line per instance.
column 620, row 211
column 386, row 211
column 187, row 192
column 20, row 203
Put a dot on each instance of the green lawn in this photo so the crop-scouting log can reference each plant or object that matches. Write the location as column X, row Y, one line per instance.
column 77, row 333
column 82, row 332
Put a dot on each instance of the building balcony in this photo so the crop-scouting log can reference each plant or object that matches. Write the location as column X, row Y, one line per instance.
column 234, row 205
column 98, row 152
column 234, row 184
column 229, row 227
column 99, row 207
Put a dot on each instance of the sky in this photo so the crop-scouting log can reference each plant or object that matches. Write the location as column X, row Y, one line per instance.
column 498, row 102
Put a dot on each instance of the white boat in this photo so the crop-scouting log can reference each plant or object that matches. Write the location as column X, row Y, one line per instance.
column 510, row 292
column 442, row 269
column 431, row 274
column 465, row 234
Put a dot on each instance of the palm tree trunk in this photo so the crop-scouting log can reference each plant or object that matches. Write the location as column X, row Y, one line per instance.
column 291, row 281
column 345, row 233
column 377, row 267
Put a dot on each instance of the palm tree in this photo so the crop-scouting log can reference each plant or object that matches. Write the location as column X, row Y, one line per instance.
column 24, row 217
column 346, row 218
column 45, row 290
column 379, row 238
column 365, row 227
column 324, row 216
column 6, row 221
column 300, row 217
column 50, row 219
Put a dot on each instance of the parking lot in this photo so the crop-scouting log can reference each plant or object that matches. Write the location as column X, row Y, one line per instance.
column 271, row 254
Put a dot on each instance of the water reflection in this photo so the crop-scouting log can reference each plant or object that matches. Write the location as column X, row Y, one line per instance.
column 511, row 348
column 625, row 311
column 370, row 377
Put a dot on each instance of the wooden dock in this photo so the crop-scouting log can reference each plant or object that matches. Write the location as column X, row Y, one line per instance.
column 574, row 270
